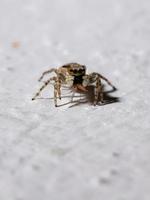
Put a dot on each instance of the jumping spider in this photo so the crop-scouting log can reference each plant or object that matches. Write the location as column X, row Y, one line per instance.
column 74, row 76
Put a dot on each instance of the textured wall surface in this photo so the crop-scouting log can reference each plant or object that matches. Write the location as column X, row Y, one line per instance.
column 80, row 152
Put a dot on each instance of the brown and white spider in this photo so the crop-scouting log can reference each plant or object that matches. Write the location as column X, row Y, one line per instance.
column 74, row 76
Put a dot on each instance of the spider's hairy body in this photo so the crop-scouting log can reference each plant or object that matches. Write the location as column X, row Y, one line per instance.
column 74, row 76
column 72, row 73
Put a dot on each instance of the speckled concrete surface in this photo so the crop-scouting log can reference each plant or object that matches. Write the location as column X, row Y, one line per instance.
column 82, row 152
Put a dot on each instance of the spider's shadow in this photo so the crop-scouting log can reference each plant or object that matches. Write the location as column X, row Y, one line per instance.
column 89, row 97
column 106, row 95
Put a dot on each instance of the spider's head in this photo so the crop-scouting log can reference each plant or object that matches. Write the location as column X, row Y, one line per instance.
column 77, row 69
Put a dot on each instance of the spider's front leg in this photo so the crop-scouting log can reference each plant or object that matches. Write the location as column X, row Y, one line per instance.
column 94, row 78
column 43, row 86
column 47, row 72
column 98, row 91
column 109, row 83
column 57, row 90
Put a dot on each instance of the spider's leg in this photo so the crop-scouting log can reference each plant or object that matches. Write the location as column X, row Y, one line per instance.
column 43, row 86
column 47, row 72
column 55, row 94
column 98, row 90
column 57, row 90
column 105, row 79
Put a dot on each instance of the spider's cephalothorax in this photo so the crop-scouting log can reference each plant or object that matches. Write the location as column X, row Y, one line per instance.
column 77, row 71
column 74, row 75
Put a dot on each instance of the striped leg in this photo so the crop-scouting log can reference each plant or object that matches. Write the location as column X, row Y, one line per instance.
column 40, row 90
column 98, row 90
column 57, row 90
column 47, row 72
column 105, row 79
column 55, row 94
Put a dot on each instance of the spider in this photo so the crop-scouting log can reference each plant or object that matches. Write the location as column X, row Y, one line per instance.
column 74, row 76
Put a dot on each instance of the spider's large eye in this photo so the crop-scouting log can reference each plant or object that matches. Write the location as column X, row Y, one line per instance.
column 71, row 70
column 75, row 71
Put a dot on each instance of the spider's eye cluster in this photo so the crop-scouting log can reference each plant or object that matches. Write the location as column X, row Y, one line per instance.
column 77, row 71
